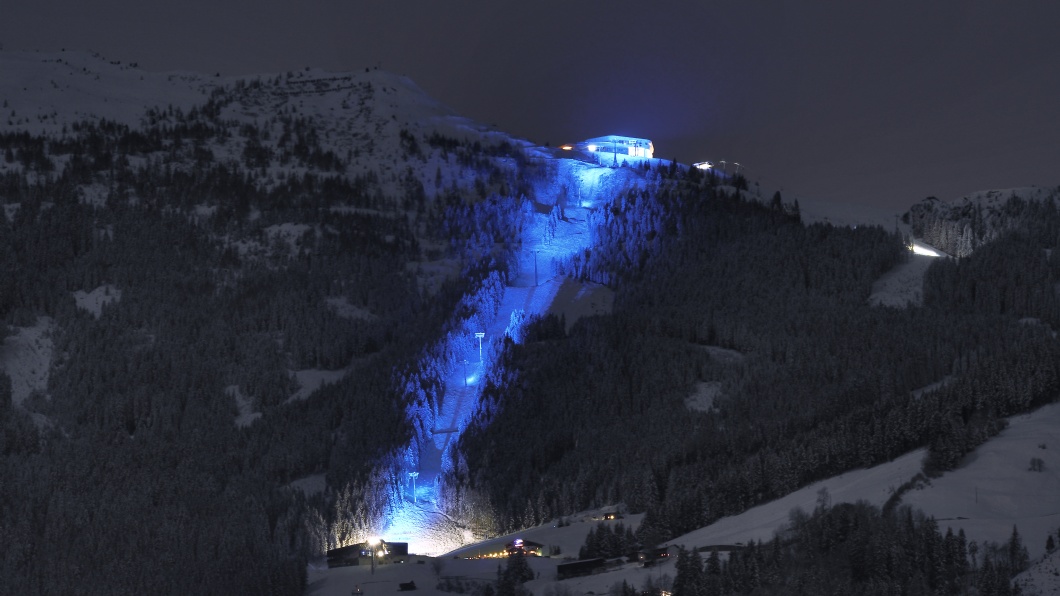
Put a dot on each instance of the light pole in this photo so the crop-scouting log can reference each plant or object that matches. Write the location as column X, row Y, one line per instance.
column 480, row 335
column 372, row 544
column 413, row 475
column 535, row 266
column 465, row 372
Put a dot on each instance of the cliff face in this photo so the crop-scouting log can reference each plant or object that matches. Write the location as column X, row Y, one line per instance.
column 960, row 227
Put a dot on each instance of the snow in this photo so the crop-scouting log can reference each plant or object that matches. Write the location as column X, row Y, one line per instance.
column 1008, row 494
column 994, row 487
column 996, row 198
column 49, row 90
column 94, row 300
column 703, row 398
column 575, row 299
column 26, row 357
column 536, row 288
column 245, row 405
column 900, row 287
column 903, row 285
column 9, row 211
column 1043, row 577
column 43, row 92
column 342, row 307
column 723, row 355
column 341, row 581
column 874, row 485
column 458, row 564
column 287, row 233
column 311, row 379
column 992, row 491
column 310, row 485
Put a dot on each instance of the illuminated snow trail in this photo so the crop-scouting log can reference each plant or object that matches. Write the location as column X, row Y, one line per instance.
column 535, row 289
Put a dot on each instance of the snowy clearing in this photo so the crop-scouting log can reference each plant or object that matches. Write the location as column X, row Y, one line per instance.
column 703, row 398
column 874, row 485
column 342, row 307
column 94, row 300
column 994, row 488
column 26, row 357
column 902, row 286
column 245, row 404
column 311, row 379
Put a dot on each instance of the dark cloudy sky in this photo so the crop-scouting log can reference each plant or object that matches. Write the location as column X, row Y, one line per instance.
column 863, row 101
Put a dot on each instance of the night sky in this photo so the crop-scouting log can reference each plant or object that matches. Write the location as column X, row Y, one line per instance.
column 880, row 103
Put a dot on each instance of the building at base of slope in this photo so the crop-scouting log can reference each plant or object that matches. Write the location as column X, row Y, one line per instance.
column 362, row 553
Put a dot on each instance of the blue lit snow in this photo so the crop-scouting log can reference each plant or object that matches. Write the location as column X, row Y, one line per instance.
column 535, row 288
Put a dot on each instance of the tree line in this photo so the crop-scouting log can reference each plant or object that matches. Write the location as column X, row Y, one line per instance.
column 824, row 382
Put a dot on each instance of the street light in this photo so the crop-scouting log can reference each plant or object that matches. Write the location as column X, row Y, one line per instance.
column 413, row 475
column 480, row 335
column 372, row 544
column 465, row 372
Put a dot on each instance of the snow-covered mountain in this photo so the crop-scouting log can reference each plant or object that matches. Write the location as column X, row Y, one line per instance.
column 336, row 224
column 960, row 226
column 357, row 116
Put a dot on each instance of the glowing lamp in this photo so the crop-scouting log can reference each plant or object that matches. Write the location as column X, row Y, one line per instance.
column 373, row 542
column 592, row 147
column 567, row 147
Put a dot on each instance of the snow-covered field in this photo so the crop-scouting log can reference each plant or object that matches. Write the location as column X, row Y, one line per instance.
column 992, row 490
column 94, row 301
column 995, row 488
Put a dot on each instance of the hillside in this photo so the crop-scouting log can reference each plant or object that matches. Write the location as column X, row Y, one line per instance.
column 252, row 319
column 961, row 226
column 222, row 273
column 237, row 272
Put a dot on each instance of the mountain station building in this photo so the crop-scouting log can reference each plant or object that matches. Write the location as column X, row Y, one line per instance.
column 613, row 148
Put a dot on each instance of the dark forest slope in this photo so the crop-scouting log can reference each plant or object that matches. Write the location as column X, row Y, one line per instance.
column 824, row 386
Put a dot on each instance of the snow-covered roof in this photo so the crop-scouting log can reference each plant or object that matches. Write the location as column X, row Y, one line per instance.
column 617, row 139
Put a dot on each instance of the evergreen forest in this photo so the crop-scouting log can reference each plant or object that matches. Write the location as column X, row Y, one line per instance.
column 164, row 453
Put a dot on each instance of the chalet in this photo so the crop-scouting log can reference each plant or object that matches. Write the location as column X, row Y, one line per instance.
column 653, row 556
column 614, row 148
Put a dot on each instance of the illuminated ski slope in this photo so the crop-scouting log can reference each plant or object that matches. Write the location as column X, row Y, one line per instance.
column 535, row 289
